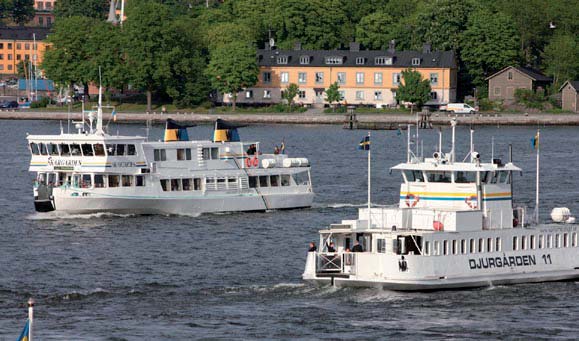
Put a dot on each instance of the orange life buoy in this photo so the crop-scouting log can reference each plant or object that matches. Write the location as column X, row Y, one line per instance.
column 412, row 200
column 255, row 161
column 437, row 225
column 248, row 162
column 471, row 201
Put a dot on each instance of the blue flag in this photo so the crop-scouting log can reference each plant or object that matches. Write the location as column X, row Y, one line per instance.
column 24, row 335
column 364, row 144
column 535, row 142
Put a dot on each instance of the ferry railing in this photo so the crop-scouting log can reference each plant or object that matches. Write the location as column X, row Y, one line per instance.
column 336, row 262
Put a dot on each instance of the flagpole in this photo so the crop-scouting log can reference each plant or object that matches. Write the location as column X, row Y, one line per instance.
column 537, row 147
column 30, row 317
column 369, row 184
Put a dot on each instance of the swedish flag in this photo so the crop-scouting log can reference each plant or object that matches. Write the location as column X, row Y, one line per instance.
column 25, row 332
column 365, row 143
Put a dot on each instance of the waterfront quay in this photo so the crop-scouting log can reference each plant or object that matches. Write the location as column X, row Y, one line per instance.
column 365, row 121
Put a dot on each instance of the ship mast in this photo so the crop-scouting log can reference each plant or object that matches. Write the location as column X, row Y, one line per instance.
column 99, row 123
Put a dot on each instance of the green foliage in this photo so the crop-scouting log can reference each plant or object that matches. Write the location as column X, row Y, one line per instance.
column 17, row 11
column 290, row 93
column 562, row 59
column 233, row 67
column 488, row 44
column 375, row 30
column 530, row 98
column 84, row 8
column 333, row 93
column 414, row 89
column 41, row 103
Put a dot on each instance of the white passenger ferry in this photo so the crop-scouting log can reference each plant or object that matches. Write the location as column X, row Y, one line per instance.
column 454, row 227
column 91, row 171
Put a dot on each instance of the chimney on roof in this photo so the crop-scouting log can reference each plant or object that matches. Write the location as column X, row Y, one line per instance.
column 267, row 47
column 297, row 46
column 392, row 46
column 426, row 48
column 354, row 46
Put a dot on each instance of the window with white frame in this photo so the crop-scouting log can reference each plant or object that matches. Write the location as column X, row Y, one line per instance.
column 360, row 61
column 266, row 77
column 282, row 59
column 383, row 60
column 301, row 94
column 319, row 77
column 304, row 60
column 396, row 78
column 266, row 94
column 285, row 77
column 415, row 61
column 433, row 95
column 377, row 77
column 302, row 77
column 434, row 79
column 341, row 78
column 378, row 95
column 333, row 60
column 249, row 94
column 360, row 95
column 359, row 77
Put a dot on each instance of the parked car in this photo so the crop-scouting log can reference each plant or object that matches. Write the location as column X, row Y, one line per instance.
column 459, row 108
column 8, row 105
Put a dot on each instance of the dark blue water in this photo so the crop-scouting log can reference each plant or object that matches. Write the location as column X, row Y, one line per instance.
column 100, row 277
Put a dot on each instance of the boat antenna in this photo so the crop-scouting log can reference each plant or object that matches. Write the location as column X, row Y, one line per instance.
column 536, row 145
column 453, row 124
column 408, row 143
column 471, row 144
column 492, row 148
column 440, row 140
column 99, row 125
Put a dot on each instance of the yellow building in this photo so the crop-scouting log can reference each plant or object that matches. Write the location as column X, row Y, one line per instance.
column 17, row 44
column 365, row 77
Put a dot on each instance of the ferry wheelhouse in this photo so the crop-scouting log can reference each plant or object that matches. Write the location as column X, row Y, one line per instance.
column 91, row 171
column 454, row 227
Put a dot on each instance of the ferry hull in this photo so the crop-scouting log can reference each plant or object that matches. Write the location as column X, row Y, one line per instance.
column 188, row 206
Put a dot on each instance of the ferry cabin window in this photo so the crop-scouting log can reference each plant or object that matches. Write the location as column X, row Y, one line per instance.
column 481, row 246
column 465, row 177
column 381, row 245
column 540, row 241
column 498, row 245
column 165, row 185
column 34, row 149
column 438, row 176
column 76, row 180
column 131, row 150
column 120, row 150
column 211, row 153
column 61, row 178
column 87, row 149
column 263, row 180
column 445, row 247
column 533, row 242
column 515, row 243
column 99, row 181
column 140, row 180
column 86, row 181
column 197, row 184
column 127, row 180
column 574, row 239
column 114, row 181
column 454, row 248
column 463, row 246
column 112, row 149
column 472, row 248
column 64, row 149
column 252, row 181
column 43, row 149
column 301, row 178
column 99, row 150
column 557, row 241
column 523, row 242
column 75, row 150
column 426, row 247
column 53, row 149
column 436, row 249
column 274, row 180
column 565, row 240
column 548, row 241
column 175, row 184
column 160, row 155
column 414, row 176
column 285, row 180
column 183, row 154
column 186, row 184
column 51, row 179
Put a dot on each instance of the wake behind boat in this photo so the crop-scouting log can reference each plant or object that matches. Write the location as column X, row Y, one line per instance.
column 92, row 171
column 454, row 227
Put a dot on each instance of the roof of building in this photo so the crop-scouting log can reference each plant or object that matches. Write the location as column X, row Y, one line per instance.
column 535, row 75
column 23, row 33
column 435, row 59
column 574, row 84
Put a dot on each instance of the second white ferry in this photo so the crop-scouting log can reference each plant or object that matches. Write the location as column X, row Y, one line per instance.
column 92, row 171
column 454, row 227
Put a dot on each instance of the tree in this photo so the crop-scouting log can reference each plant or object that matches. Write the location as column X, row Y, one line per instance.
column 375, row 30
column 489, row 43
column 414, row 89
column 84, row 8
column 333, row 94
column 561, row 58
column 149, row 47
column 18, row 11
column 21, row 69
column 290, row 93
column 232, row 68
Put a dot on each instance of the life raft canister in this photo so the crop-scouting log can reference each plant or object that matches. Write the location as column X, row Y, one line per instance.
column 255, row 161
column 471, row 201
column 412, row 200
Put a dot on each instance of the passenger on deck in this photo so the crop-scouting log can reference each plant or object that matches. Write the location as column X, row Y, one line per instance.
column 331, row 247
column 252, row 149
column 357, row 247
column 313, row 247
column 276, row 150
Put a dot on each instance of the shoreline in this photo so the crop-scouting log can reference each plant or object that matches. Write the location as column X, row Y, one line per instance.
column 364, row 121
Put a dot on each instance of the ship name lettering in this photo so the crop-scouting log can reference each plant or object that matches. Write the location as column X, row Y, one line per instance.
column 66, row 163
column 123, row 164
column 500, row 262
